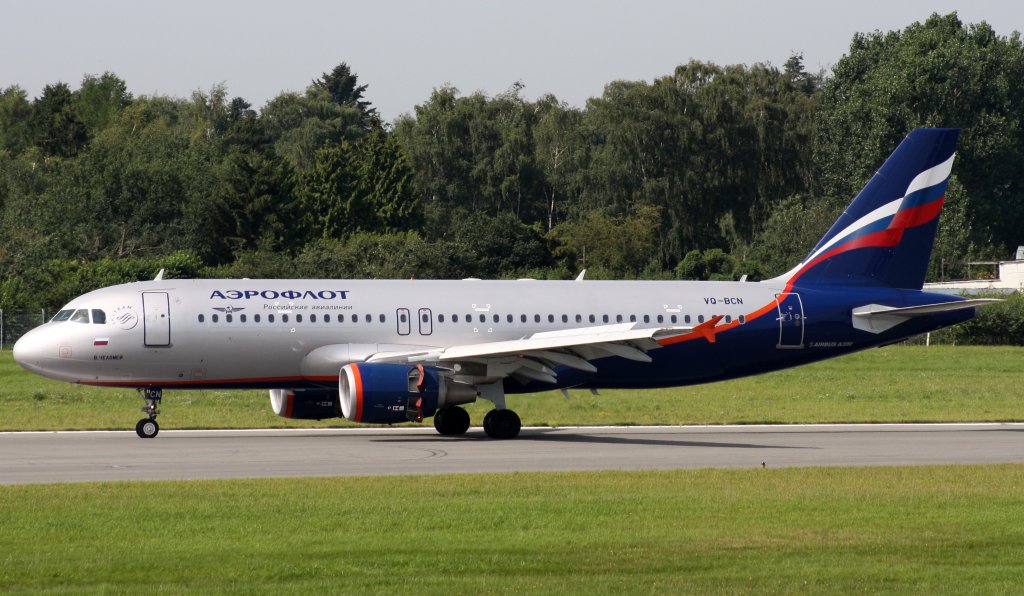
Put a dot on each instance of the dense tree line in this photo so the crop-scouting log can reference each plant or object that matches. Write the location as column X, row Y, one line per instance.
column 707, row 172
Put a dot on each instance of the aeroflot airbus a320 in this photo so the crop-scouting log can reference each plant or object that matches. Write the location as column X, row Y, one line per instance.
column 378, row 351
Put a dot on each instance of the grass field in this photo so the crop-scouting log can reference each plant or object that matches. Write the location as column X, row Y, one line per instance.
column 955, row 529
column 895, row 384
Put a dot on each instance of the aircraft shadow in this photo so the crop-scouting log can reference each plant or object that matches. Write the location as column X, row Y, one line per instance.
column 539, row 435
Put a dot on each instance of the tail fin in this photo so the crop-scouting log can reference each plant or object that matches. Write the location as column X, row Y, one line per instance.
column 885, row 237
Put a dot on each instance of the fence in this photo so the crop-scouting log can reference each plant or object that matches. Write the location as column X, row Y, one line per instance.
column 15, row 323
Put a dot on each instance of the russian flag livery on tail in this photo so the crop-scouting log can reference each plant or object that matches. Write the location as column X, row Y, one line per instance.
column 390, row 351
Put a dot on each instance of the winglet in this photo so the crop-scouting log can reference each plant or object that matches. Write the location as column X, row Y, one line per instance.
column 707, row 328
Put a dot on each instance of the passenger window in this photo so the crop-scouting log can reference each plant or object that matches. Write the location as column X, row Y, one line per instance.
column 579, row 318
column 632, row 318
column 455, row 319
column 425, row 318
column 483, row 319
column 440, row 318
column 743, row 319
column 674, row 318
column 383, row 319
column 201, row 318
column 618, row 318
column 522, row 318
column 728, row 318
column 700, row 318
column 241, row 318
column 497, row 319
column 647, row 318
column 341, row 318
column 686, row 319
column 593, row 319
column 270, row 318
column 284, row 318
column 551, row 318
column 604, row 318
column 99, row 317
column 327, row 318
column 298, row 318
column 565, row 318
column 536, row 318
column 215, row 318
column 369, row 318
column 81, row 316
column 312, row 318
column 256, row 318
column 228, row 318
column 509, row 318
column 661, row 318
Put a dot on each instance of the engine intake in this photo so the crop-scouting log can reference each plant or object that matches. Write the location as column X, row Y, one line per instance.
column 305, row 404
column 392, row 393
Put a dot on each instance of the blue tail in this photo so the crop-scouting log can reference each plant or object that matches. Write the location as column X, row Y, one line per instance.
column 885, row 237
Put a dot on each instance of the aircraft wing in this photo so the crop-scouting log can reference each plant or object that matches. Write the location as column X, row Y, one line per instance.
column 534, row 357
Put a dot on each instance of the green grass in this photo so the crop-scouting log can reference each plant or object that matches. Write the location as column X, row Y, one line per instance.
column 949, row 529
column 895, row 384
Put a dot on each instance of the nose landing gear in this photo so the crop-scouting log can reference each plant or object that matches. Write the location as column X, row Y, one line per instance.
column 147, row 428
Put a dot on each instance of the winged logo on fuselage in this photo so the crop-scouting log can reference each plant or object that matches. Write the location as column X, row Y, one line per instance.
column 228, row 309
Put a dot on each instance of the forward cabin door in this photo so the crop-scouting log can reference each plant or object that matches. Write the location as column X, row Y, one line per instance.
column 791, row 320
column 156, row 319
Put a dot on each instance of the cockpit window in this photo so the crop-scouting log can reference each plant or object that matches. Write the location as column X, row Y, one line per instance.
column 63, row 315
column 99, row 317
column 80, row 316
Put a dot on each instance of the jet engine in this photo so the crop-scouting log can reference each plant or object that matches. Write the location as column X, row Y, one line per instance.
column 391, row 393
column 305, row 404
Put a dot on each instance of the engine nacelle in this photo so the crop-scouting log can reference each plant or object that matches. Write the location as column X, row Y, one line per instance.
column 391, row 393
column 305, row 404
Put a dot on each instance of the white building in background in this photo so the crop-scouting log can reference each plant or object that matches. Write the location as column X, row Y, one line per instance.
column 1009, row 280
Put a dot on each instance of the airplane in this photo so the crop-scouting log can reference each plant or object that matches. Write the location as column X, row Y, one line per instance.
column 394, row 351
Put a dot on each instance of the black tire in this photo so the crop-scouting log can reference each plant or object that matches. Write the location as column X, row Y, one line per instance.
column 456, row 421
column 502, row 424
column 147, row 429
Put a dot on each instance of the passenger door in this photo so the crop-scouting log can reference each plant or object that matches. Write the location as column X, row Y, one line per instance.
column 156, row 319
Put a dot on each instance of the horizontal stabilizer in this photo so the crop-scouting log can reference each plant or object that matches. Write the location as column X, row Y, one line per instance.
column 877, row 318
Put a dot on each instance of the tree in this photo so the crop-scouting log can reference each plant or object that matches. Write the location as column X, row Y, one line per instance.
column 939, row 73
column 363, row 186
column 99, row 100
column 15, row 120
column 56, row 128
column 342, row 85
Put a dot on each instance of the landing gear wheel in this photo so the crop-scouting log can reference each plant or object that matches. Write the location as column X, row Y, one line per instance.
column 502, row 424
column 451, row 421
column 147, row 428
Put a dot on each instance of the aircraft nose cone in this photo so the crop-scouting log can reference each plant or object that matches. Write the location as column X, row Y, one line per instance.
column 30, row 351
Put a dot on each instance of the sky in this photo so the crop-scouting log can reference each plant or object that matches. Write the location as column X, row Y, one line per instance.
column 404, row 50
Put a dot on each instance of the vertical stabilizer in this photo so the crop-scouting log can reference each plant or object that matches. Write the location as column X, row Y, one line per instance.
column 885, row 236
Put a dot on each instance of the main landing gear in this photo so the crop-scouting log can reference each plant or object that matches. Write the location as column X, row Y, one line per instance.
column 498, row 424
column 502, row 424
column 451, row 421
column 147, row 428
